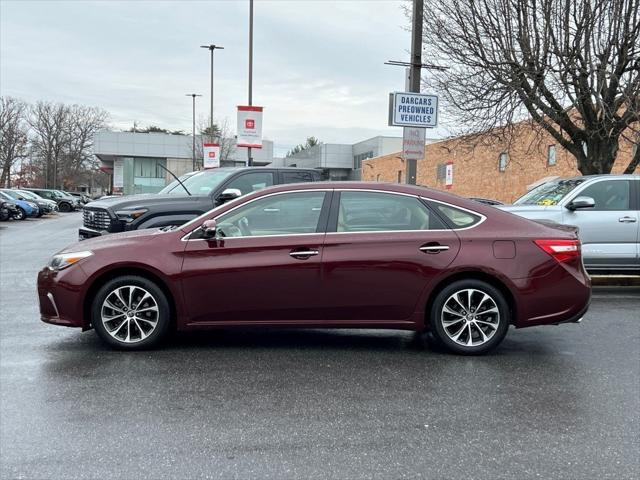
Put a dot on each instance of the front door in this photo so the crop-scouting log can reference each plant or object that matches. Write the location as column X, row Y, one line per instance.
column 265, row 264
column 609, row 230
column 383, row 252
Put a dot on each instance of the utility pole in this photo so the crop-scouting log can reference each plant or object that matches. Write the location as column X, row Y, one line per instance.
column 211, row 48
column 249, row 159
column 414, row 75
column 193, row 96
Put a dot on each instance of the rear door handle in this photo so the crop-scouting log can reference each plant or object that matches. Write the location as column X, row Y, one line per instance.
column 303, row 254
column 627, row 220
column 434, row 248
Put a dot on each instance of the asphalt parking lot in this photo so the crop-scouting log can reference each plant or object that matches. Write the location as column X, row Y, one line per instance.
column 551, row 402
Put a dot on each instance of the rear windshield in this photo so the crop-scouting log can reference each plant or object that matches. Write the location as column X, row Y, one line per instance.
column 550, row 193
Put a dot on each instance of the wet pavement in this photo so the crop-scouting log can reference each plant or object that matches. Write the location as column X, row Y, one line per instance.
column 551, row 402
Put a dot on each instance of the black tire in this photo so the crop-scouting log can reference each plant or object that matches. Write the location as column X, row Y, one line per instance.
column 65, row 207
column 138, row 285
column 20, row 214
column 489, row 329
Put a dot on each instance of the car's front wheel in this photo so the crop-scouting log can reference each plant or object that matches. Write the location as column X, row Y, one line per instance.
column 20, row 214
column 470, row 317
column 65, row 207
column 130, row 313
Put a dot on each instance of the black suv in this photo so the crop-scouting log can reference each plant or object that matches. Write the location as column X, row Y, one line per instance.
column 184, row 200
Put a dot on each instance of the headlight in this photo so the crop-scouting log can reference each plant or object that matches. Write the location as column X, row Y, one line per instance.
column 131, row 215
column 64, row 260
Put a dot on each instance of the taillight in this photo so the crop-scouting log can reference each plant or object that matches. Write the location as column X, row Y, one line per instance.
column 561, row 249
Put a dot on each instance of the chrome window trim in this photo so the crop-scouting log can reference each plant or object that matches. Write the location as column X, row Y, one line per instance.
column 184, row 239
column 418, row 197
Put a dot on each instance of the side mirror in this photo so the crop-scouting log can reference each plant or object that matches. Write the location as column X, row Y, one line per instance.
column 581, row 202
column 209, row 229
column 229, row 194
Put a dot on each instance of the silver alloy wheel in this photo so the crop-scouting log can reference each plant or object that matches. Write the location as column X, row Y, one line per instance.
column 129, row 314
column 470, row 317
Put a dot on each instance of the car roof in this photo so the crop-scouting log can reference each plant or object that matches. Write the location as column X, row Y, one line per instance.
column 588, row 178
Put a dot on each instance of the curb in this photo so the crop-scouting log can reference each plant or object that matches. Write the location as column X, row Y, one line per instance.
column 615, row 280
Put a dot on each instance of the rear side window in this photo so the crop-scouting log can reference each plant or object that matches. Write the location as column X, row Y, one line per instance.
column 296, row 177
column 457, row 217
column 384, row 212
column 251, row 182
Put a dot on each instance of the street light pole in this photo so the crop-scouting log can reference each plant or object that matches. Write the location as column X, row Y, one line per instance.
column 211, row 48
column 193, row 96
column 249, row 159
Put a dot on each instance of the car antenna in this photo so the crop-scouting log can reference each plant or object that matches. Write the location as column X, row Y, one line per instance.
column 177, row 179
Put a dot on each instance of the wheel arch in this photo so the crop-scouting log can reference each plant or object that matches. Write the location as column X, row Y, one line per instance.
column 472, row 275
column 105, row 276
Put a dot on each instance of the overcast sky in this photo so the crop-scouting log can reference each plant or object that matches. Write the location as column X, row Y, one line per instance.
column 318, row 64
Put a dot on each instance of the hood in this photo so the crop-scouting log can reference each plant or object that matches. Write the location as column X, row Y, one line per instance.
column 141, row 201
column 121, row 239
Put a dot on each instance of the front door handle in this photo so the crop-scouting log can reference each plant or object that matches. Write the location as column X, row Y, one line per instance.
column 434, row 248
column 627, row 219
column 303, row 254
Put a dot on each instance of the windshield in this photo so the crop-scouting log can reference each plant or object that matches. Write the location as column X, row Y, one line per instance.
column 201, row 183
column 11, row 194
column 550, row 193
column 59, row 194
column 29, row 195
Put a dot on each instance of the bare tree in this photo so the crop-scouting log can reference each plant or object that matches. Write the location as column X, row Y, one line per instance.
column 49, row 124
column 13, row 136
column 571, row 66
column 81, row 126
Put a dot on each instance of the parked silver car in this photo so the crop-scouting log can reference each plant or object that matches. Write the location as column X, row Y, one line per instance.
column 606, row 209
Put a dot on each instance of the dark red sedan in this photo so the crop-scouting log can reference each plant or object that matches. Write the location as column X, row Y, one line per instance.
column 356, row 255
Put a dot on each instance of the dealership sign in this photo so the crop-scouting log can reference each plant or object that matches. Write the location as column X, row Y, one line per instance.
column 448, row 177
column 408, row 109
column 249, row 126
column 211, row 155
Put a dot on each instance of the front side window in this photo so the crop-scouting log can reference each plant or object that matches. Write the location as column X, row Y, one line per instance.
column 376, row 212
column 283, row 214
column 608, row 195
column 250, row 182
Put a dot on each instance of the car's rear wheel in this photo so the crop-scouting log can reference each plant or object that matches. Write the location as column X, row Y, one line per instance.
column 65, row 207
column 469, row 317
column 130, row 313
column 20, row 214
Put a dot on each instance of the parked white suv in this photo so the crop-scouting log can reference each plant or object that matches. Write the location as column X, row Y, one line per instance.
column 606, row 209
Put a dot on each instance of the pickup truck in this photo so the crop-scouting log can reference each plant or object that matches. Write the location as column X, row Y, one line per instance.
column 184, row 199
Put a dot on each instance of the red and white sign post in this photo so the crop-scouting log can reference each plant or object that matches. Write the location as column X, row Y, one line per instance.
column 249, row 126
column 211, row 155
column 448, row 178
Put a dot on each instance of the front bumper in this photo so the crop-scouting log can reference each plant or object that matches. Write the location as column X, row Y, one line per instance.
column 59, row 296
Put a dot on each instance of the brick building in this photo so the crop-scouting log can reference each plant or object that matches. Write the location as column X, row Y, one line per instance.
column 489, row 167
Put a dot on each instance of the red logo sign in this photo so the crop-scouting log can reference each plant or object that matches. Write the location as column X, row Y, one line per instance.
column 212, row 154
column 250, row 123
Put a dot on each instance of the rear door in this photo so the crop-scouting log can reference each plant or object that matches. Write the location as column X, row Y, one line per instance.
column 609, row 230
column 381, row 251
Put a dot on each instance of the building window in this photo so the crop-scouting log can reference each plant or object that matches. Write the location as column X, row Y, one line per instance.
column 399, row 176
column 551, row 155
column 502, row 162
column 441, row 172
column 357, row 159
column 149, row 168
column 378, row 177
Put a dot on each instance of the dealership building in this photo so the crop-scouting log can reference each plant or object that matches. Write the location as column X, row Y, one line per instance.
column 489, row 165
column 135, row 160
column 341, row 161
